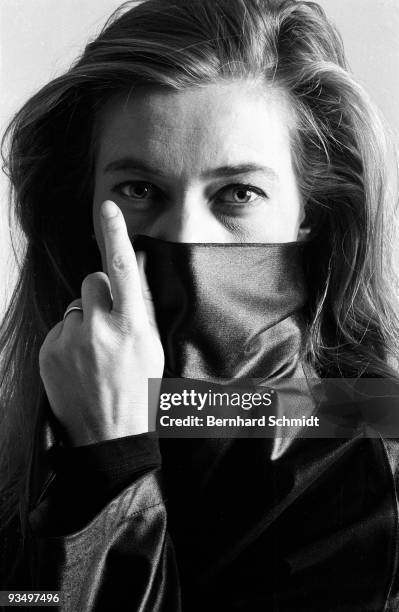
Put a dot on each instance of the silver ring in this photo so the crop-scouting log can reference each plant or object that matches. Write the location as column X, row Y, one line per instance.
column 70, row 309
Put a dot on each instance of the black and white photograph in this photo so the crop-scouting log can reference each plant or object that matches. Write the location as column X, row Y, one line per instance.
column 199, row 305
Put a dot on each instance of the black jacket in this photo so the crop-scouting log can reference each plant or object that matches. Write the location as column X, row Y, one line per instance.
column 222, row 524
column 218, row 525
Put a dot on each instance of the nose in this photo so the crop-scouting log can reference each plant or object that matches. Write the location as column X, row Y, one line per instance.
column 186, row 221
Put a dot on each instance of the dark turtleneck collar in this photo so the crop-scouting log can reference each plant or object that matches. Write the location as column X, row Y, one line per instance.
column 228, row 311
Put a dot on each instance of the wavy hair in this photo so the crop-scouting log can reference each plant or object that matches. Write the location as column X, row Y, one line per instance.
column 340, row 158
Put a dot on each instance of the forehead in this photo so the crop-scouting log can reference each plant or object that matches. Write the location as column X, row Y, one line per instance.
column 192, row 130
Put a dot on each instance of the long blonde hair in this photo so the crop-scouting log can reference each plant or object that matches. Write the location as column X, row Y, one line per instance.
column 340, row 156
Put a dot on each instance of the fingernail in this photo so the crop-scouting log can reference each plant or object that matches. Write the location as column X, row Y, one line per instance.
column 109, row 209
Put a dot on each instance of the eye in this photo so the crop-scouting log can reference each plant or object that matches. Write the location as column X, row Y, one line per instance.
column 239, row 194
column 135, row 190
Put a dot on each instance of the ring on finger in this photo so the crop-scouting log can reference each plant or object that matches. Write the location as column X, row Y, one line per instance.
column 71, row 309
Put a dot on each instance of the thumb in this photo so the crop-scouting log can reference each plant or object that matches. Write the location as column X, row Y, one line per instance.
column 145, row 290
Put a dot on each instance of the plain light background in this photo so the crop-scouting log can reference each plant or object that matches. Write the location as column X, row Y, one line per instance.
column 40, row 38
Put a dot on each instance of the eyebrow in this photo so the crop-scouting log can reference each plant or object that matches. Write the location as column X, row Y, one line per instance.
column 130, row 163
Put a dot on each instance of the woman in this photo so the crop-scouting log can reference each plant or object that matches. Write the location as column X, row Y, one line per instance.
column 230, row 136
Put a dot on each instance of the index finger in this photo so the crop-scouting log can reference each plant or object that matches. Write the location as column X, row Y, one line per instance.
column 121, row 261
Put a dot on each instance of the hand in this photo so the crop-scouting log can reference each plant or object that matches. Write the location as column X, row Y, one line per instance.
column 95, row 364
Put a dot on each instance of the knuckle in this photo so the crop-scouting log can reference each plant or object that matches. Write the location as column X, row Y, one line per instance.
column 88, row 280
column 92, row 280
column 119, row 265
column 97, row 276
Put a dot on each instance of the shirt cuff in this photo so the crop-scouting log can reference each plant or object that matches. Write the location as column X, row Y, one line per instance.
column 88, row 477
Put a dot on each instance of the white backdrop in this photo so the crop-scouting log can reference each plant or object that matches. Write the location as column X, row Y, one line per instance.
column 40, row 38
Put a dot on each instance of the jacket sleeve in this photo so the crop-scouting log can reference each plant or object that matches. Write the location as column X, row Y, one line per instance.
column 103, row 541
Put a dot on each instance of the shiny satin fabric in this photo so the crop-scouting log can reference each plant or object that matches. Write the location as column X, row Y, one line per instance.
column 314, row 531
column 227, row 311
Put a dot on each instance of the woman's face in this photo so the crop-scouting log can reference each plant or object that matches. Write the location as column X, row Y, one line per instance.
column 209, row 164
